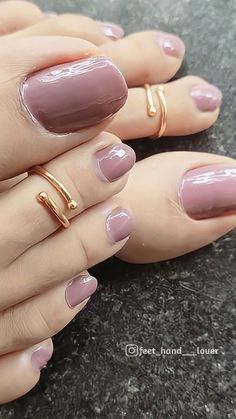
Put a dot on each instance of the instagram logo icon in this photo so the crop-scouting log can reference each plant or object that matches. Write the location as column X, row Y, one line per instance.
column 131, row 350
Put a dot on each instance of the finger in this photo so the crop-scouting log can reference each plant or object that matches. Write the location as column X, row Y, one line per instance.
column 192, row 106
column 147, row 57
column 34, row 320
column 73, row 25
column 193, row 205
column 92, row 172
column 95, row 235
column 18, row 14
column 57, row 108
column 20, row 371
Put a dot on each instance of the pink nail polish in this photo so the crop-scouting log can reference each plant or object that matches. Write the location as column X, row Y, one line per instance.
column 207, row 97
column 209, row 191
column 79, row 289
column 119, row 225
column 75, row 95
column 171, row 44
column 40, row 356
column 112, row 30
column 115, row 161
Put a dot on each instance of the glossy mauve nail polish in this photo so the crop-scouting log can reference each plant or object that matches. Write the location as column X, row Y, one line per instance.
column 209, row 191
column 207, row 98
column 114, row 161
column 112, row 30
column 119, row 224
column 40, row 357
column 72, row 96
column 172, row 45
column 79, row 289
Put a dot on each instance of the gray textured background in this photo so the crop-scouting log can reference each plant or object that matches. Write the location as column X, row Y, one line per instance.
column 187, row 302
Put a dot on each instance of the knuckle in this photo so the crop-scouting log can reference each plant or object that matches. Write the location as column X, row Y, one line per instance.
column 29, row 323
column 34, row 323
column 46, row 280
column 48, row 325
column 6, row 325
column 15, row 328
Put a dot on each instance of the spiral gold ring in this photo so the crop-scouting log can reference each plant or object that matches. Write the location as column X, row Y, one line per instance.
column 48, row 202
column 152, row 109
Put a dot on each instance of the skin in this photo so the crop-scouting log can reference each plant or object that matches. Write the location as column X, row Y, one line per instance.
column 141, row 60
column 96, row 198
column 17, row 15
column 174, row 227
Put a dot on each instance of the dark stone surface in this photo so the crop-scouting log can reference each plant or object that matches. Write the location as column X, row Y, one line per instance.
column 186, row 302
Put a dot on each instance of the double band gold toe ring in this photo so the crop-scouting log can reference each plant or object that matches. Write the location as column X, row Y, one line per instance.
column 152, row 109
column 48, row 202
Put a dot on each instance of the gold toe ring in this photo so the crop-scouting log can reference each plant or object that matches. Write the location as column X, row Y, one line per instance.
column 48, row 202
column 152, row 109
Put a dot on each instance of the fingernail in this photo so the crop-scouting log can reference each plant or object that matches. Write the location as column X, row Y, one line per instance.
column 209, row 191
column 71, row 96
column 171, row 44
column 207, row 98
column 111, row 30
column 79, row 289
column 119, row 225
column 114, row 161
column 41, row 356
